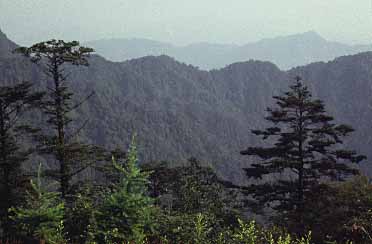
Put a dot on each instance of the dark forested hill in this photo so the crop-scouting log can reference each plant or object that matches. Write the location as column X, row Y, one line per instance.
column 179, row 111
column 286, row 52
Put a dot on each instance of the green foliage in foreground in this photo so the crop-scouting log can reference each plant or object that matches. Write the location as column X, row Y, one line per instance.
column 81, row 225
column 127, row 213
column 244, row 233
column 42, row 215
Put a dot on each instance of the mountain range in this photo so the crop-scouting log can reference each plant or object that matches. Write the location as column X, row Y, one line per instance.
column 179, row 111
column 286, row 52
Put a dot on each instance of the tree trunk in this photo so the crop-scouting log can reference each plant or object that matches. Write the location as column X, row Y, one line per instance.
column 64, row 171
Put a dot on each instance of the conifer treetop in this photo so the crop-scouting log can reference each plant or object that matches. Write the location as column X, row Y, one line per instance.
column 305, row 145
column 58, row 51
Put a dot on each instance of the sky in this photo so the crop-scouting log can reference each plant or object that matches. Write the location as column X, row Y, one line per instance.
column 185, row 21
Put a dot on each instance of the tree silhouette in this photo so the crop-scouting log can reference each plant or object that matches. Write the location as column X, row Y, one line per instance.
column 72, row 156
column 306, row 148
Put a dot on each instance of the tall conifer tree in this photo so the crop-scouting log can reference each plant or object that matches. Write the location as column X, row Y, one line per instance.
column 306, row 147
column 71, row 156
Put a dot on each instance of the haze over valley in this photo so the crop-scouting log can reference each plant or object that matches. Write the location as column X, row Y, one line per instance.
column 286, row 52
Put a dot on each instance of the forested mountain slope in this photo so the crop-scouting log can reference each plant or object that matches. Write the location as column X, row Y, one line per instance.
column 179, row 111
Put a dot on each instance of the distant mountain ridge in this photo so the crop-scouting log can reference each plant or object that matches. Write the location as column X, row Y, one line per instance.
column 287, row 52
column 179, row 111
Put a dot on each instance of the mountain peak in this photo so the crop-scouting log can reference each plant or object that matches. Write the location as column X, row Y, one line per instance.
column 2, row 35
column 156, row 62
column 311, row 35
column 6, row 45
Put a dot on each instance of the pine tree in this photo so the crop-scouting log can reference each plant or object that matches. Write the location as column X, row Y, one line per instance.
column 41, row 217
column 306, row 148
column 15, row 102
column 72, row 157
column 127, row 213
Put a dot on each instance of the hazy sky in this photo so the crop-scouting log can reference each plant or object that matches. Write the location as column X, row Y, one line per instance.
column 185, row 21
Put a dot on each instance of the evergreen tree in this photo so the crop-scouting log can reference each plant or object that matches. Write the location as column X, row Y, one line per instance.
column 306, row 149
column 341, row 211
column 15, row 101
column 60, row 141
column 42, row 215
column 193, row 188
column 127, row 213
column 81, row 227
column 198, row 190
column 184, row 193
